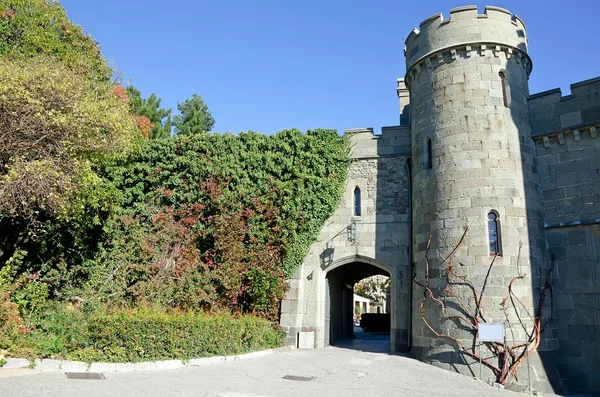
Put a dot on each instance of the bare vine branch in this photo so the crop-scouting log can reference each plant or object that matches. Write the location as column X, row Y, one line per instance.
column 509, row 356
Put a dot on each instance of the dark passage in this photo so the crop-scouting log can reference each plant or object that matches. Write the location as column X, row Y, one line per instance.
column 340, row 321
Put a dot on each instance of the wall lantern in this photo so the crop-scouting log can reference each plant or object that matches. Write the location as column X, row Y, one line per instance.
column 351, row 230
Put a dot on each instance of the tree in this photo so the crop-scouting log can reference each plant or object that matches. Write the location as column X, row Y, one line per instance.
column 61, row 123
column 30, row 28
column 375, row 287
column 56, row 126
column 159, row 118
column 195, row 118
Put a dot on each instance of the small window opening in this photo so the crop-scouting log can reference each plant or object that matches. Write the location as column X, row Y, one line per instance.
column 429, row 155
column 505, row 88
column 357, row 201
column 494, row 234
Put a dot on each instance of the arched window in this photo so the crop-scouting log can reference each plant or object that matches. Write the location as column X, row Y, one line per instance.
column 505, row 88
column 493, row 233
column 429, row 155
column 357, row 201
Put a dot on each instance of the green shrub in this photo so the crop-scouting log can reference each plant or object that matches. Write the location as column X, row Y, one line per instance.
column 149, row 334
column 299, row 175
column 53, row 332
column 218, row 222
column 70, row 332
column 12, row 325
column 60, row 331
column 33, row 27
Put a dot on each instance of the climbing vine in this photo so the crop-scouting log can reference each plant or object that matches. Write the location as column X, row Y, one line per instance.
column 300, row 175
column 97, row 214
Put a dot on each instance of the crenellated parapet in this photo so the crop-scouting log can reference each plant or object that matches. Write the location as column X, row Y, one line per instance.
column 394, row 141
column 555, row 114
column 466, row 34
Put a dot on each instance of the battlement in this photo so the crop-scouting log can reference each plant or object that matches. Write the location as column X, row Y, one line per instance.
column 394, row 141
column 584, row 88
column 496, row 26
column 553, row 112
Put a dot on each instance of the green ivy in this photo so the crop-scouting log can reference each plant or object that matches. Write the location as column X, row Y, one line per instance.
column 302, row 175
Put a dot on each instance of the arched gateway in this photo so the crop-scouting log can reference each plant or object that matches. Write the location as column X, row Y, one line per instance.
column 368, row 234
column 339, row 303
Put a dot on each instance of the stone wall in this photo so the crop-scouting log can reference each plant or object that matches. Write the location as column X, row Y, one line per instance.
column 551, row 112
column 534, row 160
column 482, row 161
column 381, row 244
column 577, row 306
column 568, row 153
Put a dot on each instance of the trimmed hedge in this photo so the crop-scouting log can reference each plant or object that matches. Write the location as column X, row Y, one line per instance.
column 142, row 334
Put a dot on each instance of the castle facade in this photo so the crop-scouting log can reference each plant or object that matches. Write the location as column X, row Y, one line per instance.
column 481, row 185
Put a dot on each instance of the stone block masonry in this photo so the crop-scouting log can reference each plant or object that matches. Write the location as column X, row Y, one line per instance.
column 471, row 132
column 472, row 142
column 321, row 288
column 568, row 154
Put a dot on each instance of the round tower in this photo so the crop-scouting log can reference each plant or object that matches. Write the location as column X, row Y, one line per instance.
column 473, row 165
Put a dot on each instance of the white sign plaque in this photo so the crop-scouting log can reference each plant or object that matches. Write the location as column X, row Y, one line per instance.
column 491, row 332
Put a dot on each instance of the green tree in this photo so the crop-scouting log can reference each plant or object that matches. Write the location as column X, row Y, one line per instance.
column 56, row 128
column 61, row 124
column 375, row 287
column 195, row 118
column 150, row 107
column 31, row 28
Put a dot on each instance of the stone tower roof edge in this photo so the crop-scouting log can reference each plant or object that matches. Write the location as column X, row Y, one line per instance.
column 465, row 26
column 464, row 12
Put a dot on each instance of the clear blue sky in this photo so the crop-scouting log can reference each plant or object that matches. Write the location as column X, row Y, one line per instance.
column 266, row 65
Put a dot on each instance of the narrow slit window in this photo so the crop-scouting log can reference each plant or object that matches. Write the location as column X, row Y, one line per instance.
column 357, row 201
column 505, row 88
column 429, row 155
column 494, row 234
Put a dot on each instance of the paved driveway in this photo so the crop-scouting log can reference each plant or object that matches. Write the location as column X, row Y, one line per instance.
column 333, row 371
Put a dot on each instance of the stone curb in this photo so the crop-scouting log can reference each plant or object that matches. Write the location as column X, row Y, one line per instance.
column 48, row 365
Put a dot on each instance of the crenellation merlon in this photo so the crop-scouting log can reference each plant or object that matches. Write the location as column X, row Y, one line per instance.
column 466, row 12
column 463, row 13
column 497, row 13
column 496, row 29
column 386, row 132
column 552, row 111
column 393, row 141
column 546, row 93
column 432, row 20
column 584, row 87
column 354, row 131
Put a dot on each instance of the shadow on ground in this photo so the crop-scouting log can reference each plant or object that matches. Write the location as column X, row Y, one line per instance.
column 371, row 342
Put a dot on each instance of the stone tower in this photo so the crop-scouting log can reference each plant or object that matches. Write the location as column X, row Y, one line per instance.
column 473, row 164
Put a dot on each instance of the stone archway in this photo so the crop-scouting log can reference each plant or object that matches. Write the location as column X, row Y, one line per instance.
column 339, row 307
column 379, row 236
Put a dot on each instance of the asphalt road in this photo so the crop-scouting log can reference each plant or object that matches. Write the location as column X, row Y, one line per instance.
column 333, row 371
